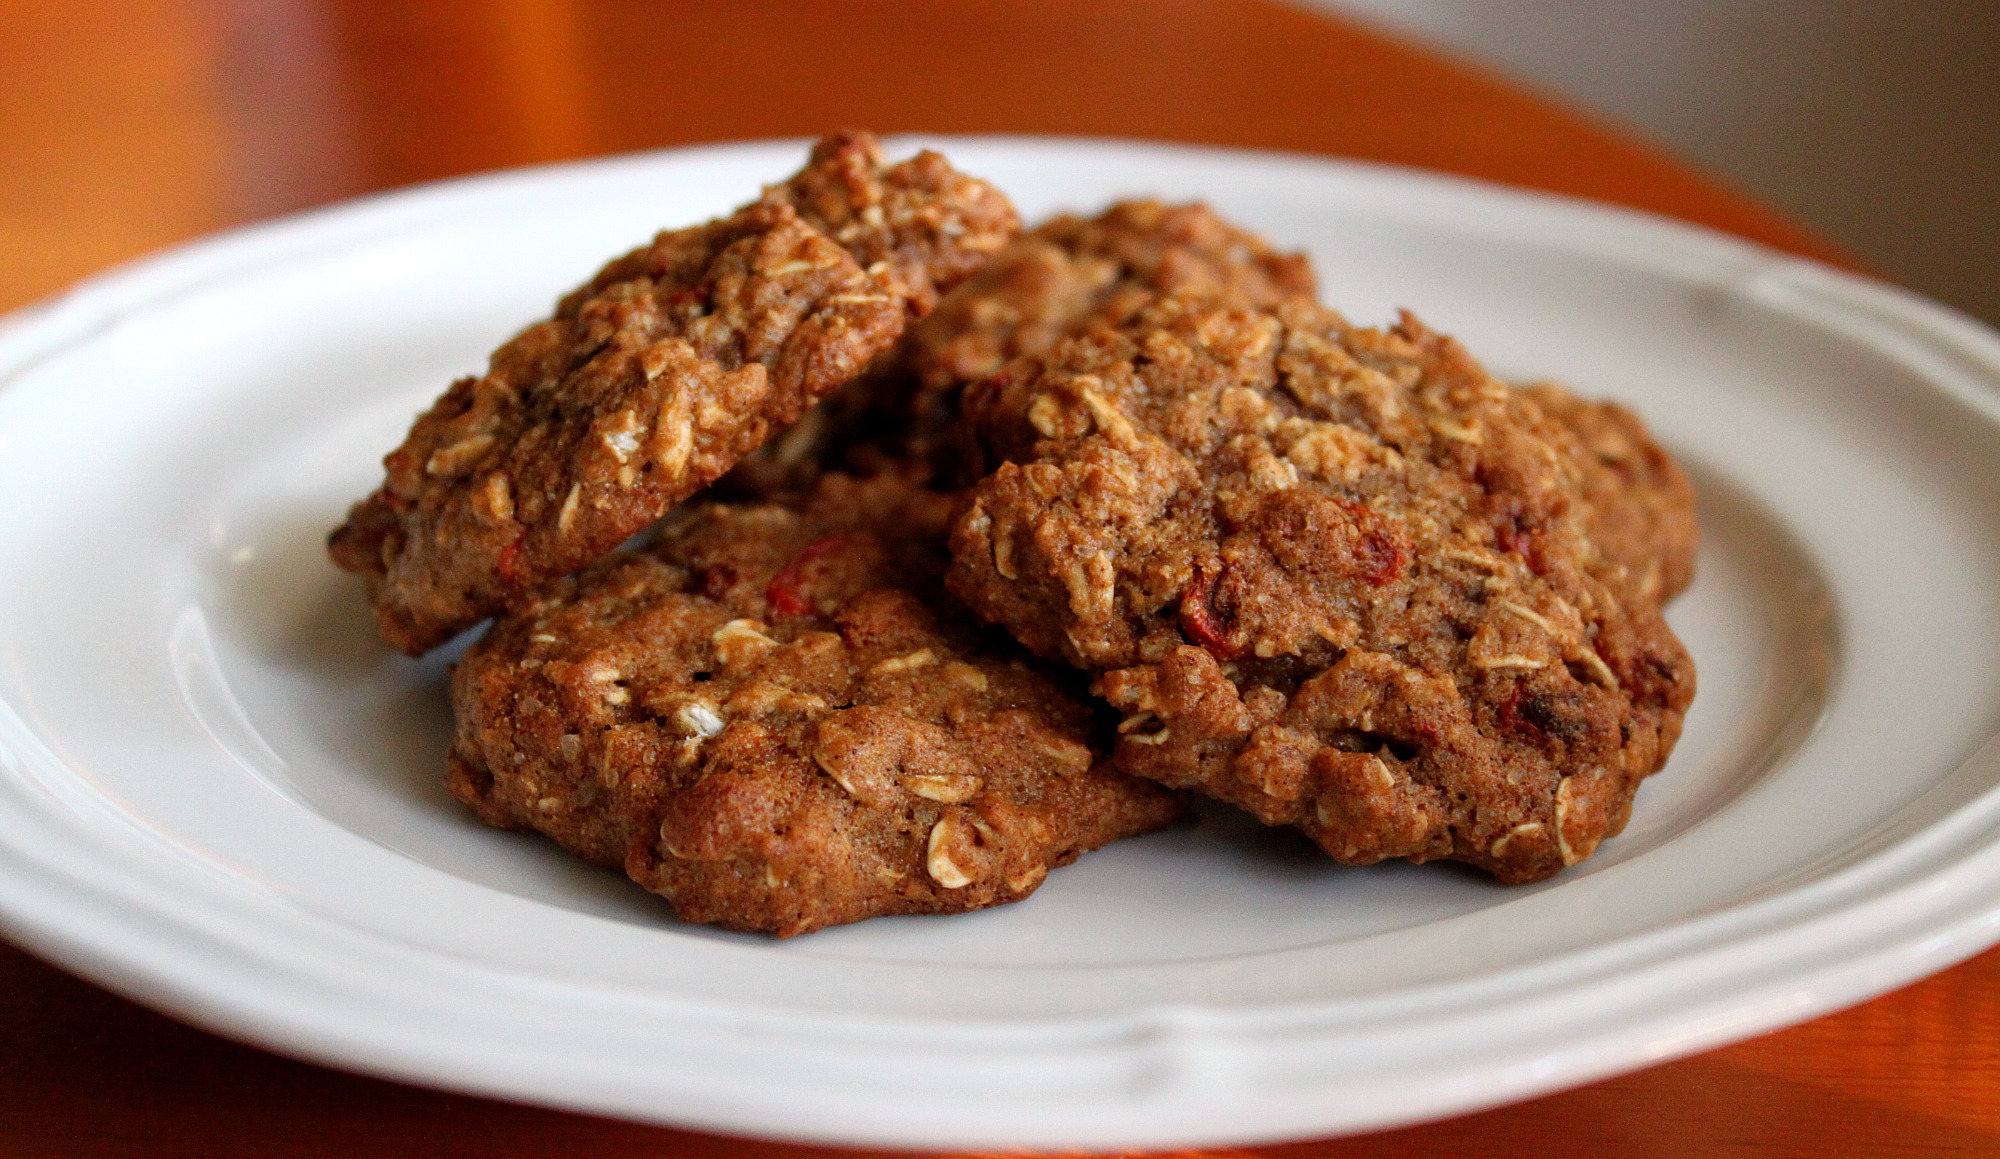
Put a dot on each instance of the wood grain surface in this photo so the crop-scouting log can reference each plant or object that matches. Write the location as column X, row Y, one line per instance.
column 126, row 125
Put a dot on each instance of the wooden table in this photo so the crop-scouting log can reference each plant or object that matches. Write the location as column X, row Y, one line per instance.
column 130, row 124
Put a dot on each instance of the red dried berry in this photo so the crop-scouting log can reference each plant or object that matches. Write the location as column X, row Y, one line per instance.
column 782, row 593
column 510, row 564
column 1198, row 618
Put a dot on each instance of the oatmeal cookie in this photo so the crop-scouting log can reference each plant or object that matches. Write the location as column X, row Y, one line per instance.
column 932, row 225
column 1340, row 577
column 654, row 378
column 1641, row 504
column 1049, row 283
column 1072, row 270
column 763, row 719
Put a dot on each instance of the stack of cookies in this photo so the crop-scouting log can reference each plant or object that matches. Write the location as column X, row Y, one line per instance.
column 967, row 551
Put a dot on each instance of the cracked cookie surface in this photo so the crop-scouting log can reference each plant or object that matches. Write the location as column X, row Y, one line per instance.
column 652, row 379
column 1342, row 578
column 762, row 719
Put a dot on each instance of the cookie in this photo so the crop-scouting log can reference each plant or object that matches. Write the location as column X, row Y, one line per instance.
column 773, row 719
column 1342, row 578
column 930, row 224
column 655, row 377
column 1072, row 270
column 1641, row 503
column 1050, row 282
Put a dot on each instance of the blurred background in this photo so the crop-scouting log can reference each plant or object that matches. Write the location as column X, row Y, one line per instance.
column 129, row 124
column 1875, row 123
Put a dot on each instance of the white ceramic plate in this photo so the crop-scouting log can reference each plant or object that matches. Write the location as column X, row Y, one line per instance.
column 221, row 796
